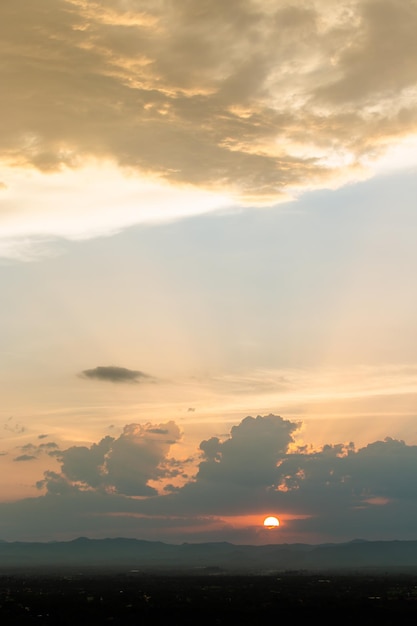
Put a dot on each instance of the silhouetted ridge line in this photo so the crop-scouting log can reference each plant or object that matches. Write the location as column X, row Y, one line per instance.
column 156, row 555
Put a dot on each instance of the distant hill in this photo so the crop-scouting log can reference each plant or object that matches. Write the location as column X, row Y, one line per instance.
column 217, row 557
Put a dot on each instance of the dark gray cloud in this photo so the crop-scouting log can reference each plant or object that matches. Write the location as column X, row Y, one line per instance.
column 343, row 492
column 25, row 457
column 33, row 451
column 114, row 374
column 337, row 492
column 249, row 456
column 122, row 465
column 51, row 445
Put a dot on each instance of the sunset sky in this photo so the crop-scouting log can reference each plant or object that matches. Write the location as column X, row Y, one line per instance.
column 208, row 260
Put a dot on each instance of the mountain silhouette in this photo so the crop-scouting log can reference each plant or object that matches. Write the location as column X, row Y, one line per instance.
column 155, row 555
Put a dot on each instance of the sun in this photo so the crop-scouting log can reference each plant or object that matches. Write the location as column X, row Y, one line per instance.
column 271, row 522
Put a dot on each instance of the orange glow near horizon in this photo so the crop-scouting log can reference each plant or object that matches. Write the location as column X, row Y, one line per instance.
column 240, row 521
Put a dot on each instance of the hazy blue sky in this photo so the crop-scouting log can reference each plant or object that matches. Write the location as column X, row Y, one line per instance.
column 207, row 269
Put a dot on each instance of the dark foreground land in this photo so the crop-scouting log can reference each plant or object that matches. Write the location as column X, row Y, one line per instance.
column 77, row 598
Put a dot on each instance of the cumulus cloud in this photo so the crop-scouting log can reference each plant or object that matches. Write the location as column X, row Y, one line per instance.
column 257, row 459
column 249, row 456
column 114, row 374
column 337, row 492
column 122, row 465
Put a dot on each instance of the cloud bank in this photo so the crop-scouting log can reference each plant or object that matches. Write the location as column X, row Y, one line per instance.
column 123, row 486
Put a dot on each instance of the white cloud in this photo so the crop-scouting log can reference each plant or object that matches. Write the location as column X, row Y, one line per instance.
column 95, row 200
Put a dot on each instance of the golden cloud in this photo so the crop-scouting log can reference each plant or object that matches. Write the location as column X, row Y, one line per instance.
column 248, row 97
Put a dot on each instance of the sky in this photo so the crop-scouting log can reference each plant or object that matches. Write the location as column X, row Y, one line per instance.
column 207, row 270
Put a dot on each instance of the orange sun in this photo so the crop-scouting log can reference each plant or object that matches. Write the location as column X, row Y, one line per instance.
column 271, row 522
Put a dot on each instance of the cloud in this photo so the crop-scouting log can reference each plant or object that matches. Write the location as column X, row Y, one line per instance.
column 51, row 445
column 25, row 457
column 114, row 374
column 253, row 100
column 122, row 465
column 385, row 40
column 14, row 427
column 124, row 484
column 249, row 456
column 32, row 451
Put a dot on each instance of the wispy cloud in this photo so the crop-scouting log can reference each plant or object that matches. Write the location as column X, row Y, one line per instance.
column 34, row 451
column 14, row 427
